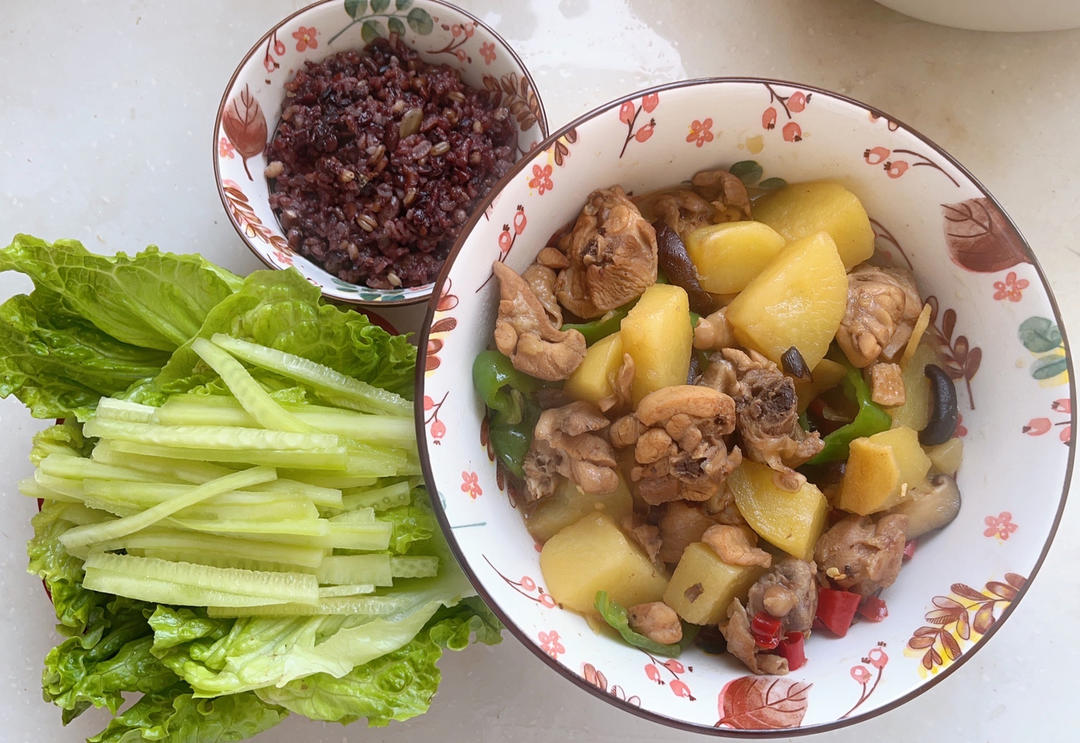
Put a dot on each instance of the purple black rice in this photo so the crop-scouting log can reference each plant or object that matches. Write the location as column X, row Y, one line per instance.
column 378, row 159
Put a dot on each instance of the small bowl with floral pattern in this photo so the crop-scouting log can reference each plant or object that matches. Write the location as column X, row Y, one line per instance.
column 252, row 103
column 993, row 318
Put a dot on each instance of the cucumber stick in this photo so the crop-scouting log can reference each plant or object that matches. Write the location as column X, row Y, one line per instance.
column 182, row 410
column 355, row 589
column 162, row 468
column 90, row 533
column 151, row 579
column 219, row 547
column 323, row 379
column 346, row 569
column 370, row 606
column 208, row 437
column 124, row 410
column 390, row 496
column 252, row 397
column 335, row 458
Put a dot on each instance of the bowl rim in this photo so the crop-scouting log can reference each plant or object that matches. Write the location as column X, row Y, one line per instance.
column 542, row 122
column 504, row 617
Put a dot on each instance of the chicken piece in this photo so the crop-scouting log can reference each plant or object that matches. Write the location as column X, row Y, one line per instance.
column 887, row 384
column 541, row 280
column 679, row 208
column 567, row 442
column 860, row 555
column 611, row 253
column 524, row 331
column 736, row 545
column 647, row 536
column 552, row 258
column 679, row 446
column 714, row 332
column 740, row 643
column 882, row 307
column 714, row 196
column 657, row 621
column 681, row 524
column 726, row 192
column 787, row 592
column 767, row 418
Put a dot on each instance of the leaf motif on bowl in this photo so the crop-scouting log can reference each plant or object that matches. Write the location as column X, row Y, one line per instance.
column 763, row 703
column 245, row 126
column 246, row 218
column 979, row 237
column 951, row 622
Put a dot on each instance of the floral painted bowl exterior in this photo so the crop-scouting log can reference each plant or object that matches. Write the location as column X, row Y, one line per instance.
column 251, row 105
column 994, row 314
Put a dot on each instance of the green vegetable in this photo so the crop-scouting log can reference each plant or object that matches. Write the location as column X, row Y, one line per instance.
column 96, row 668
column 503, row 388
column 602, row 326
column 616, row 616
column 193, row 387
column 509, row 396
column 396, row 686
column 869, row 420
column 154, row 300
column 176, row 716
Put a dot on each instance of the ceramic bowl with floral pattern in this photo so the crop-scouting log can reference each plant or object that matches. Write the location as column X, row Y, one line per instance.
column 992, row 312
column 251, row 105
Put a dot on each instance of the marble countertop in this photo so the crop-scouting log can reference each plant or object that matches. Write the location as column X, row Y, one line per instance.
column 105, row 137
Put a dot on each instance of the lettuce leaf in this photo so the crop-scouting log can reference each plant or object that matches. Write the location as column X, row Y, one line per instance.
column 78, row 674
column 397, row 686
column 57, row 364
column 79, row 612
column 95, row 325
column 175, row 716
column 280, row 309
column 153, row 300
column 227, row 656
column 414, row 524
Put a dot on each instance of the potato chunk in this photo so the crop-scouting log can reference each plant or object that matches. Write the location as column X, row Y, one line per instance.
column 594, row 379
column 703, row 585
column 658, row 336
column 915, row 412
column 728, row 255
column 790, row 521
column 801, row 209
column 568, row 505
column 878, row 467
column 593, row 555
column 798, row 300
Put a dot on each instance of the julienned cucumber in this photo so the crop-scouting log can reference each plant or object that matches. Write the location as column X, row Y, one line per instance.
column 84, row 535
column 372, row 606
column 322, row 378
column 208, row 437
column 225, row 411
column 252, row 397
column 336, row 458
column 247, row 585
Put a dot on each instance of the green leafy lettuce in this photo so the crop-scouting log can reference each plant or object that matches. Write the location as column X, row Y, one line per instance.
column 396, row 686
column 280, row 309
column 176, row 716
column 226, row 656
column 122, row 326
column 94, row 325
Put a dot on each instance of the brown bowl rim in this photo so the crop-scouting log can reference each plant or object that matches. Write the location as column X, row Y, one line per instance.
column 542, row 121
column 506, row 619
